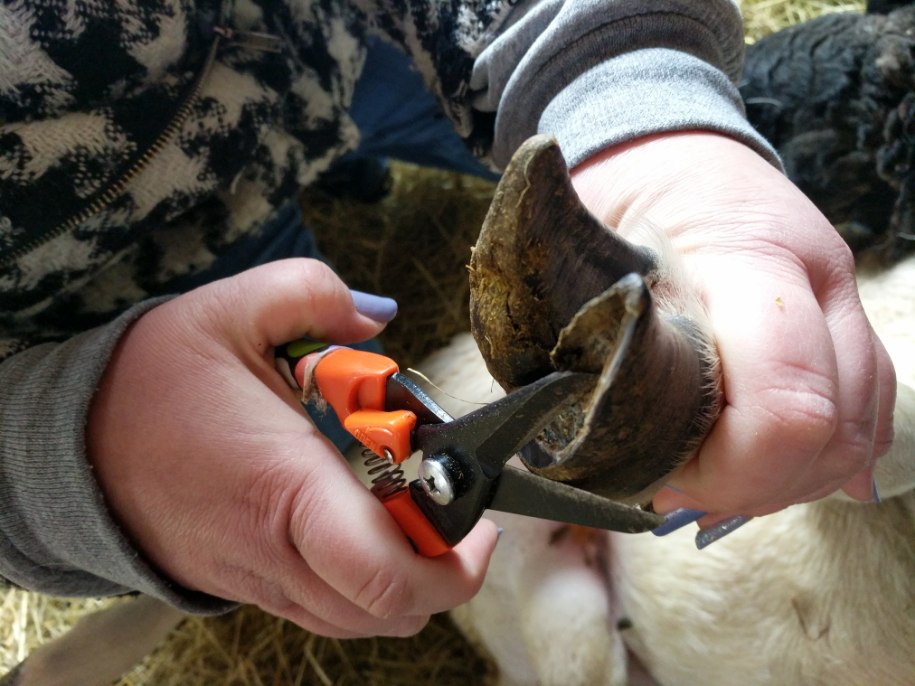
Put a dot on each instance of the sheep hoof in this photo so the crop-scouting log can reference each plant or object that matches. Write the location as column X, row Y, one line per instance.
column 552, row 288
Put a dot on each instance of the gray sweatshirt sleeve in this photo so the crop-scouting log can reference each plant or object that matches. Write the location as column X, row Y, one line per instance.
column 595, row 73
column 56, row 535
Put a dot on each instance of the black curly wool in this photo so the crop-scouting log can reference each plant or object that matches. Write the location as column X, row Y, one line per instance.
column 885, row 6
column 836, row 97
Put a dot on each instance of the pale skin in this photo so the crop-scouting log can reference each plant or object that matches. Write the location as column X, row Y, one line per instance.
column 210, row 465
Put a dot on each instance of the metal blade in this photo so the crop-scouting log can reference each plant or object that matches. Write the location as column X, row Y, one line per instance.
column 403, row 393
column 524, row 493
column 490, row 435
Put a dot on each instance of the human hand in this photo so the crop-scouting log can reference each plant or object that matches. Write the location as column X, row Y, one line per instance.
column 208, row 461
column 809, row 389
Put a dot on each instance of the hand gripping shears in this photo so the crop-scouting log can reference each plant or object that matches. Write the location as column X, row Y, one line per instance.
column 463, row 467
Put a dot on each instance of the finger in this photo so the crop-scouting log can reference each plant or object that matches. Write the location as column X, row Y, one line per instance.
column 314, row 605
column 289, row 299
column 244, row 552
column 269, row 569
column 305, row 599
column 671, row 498
column 358, row 549
column 886, row 374
column 304, row 596
column 399, row 628
column 850, row 450
column 861, row 486
column 347, row 620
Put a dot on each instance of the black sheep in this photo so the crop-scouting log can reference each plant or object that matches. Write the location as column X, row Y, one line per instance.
column 836, row 97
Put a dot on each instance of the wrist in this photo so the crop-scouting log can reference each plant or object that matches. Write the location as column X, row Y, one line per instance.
column 672, row 179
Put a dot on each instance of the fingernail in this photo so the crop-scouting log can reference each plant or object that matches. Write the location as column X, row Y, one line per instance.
column 875, row 492
column 708, row 536
column 376, row 307
column 499, row 533
column 677, row 519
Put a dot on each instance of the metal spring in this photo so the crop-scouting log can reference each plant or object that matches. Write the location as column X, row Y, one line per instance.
column 388, row 479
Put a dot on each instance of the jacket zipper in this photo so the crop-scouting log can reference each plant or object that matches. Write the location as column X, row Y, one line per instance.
column 250, row 40
column 117, row 187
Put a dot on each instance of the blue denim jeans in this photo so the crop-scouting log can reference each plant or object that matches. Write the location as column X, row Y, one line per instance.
column 399, row 118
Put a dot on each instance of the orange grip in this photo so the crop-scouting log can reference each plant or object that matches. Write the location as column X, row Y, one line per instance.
column 354, row 383
column 414, row 524
column 383, row 431
column 353, row 380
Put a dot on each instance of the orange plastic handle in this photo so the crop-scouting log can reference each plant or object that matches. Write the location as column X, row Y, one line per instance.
column 414, row 524
column 353, row 380
column 354, row 383
column 383, row 432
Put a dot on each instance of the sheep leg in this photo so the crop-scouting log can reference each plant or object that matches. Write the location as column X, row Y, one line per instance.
column 100, row 647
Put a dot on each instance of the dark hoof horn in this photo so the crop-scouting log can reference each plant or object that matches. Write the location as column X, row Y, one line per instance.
column 553, row 288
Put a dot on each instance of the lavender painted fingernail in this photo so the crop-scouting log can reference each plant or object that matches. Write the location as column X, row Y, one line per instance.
column 376, row 307
column 720, row 530
column 875, row 494
column 677, row 519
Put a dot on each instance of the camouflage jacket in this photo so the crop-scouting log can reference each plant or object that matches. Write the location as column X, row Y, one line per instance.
column 138, row 138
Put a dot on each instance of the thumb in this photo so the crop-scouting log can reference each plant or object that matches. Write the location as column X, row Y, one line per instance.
column 289, row 299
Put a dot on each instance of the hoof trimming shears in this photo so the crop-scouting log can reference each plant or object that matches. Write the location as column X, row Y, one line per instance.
column 463, row 467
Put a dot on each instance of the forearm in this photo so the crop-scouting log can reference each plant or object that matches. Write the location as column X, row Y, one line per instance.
column 56, row 534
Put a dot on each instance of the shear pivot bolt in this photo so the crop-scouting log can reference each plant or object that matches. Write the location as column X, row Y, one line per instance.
column 435, row 481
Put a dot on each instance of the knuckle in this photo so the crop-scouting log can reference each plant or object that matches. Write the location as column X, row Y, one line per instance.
column 385, row 594
column 314, row 284
column 303, row 280
column 294, row 275
column 842, row 258
column 806, row 414
column 829, row 252
column 311, row 271
column 884, row 439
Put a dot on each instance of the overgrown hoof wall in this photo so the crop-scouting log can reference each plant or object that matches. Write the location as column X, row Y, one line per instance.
column 553, row 288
